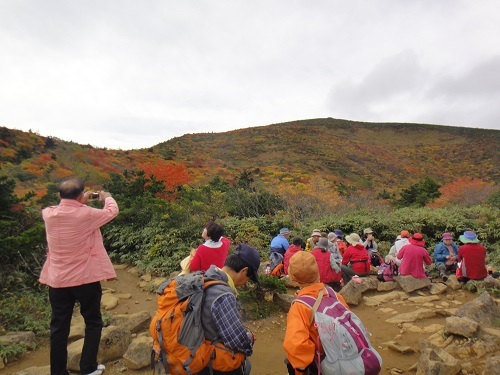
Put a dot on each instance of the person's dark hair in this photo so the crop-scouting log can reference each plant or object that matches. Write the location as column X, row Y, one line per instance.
column 297, row 241
column 234, row 262
column 214, row 230
column 70, row 188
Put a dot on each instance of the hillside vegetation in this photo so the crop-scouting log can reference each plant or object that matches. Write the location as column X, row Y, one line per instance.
column 340, row 155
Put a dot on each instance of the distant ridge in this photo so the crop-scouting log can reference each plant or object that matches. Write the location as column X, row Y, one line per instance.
column 361, row 155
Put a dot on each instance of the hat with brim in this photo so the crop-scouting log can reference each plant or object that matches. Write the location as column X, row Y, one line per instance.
column 353, row 239
column 417, row 239
column 469, row 236
column 251, row 257
column 284, row 231
column 322, row 243
column 303, row 269
column 316, row 232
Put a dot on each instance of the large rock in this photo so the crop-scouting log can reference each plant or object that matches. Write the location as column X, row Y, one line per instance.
column 138, row 354
column 387, row 286
column 132, row 322
column 26, row 338
column 483, row 309
column 436, row 361
column 492, row 365
column 77, row 330
column 438, row 288
column 114, row 343
column 412, row 316
column 109, row 301
column 461, row 326
column 410, row 284
column 424, row 299
column 384, row 298
column 353, row 292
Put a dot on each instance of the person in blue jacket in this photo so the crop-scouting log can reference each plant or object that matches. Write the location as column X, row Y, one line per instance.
column 280, row 243
column 445, row 256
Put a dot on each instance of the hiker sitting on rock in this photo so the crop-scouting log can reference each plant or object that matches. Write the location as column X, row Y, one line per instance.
column 445, row 256
column 413, row 256
column 301, row 336
column 329, row 269
column 356, row 260
column 401, row 240
column 472, row 258
column 296, row 246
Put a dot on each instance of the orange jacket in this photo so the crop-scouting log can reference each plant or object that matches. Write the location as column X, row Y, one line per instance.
column 300, row 336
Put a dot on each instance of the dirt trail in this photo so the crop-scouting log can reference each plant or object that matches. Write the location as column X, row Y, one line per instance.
column 268, row 350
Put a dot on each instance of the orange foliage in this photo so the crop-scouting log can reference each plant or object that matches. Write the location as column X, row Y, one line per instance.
column 465, row 191
column 43, row 159
column 172, row 175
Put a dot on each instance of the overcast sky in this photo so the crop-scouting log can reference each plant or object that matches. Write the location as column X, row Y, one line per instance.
column 128, row 74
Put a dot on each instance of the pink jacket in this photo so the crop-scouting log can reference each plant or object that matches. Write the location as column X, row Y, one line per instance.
column 413, row 257
column 76, row 254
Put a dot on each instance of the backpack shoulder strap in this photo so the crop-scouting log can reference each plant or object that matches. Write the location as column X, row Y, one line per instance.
column 312, row 302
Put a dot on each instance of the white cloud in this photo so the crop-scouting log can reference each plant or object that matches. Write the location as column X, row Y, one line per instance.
column 130, row 74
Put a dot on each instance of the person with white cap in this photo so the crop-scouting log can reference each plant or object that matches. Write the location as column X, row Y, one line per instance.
column 311, row 241
column 401, row 240
column 356, row 260
column 301, row 336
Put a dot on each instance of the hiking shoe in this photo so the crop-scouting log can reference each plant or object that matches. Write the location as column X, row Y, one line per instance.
column 444, row 277
column 100, row 370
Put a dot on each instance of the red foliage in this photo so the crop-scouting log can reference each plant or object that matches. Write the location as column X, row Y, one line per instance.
column 172, row 175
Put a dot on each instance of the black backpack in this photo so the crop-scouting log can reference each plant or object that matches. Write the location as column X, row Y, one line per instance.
column 375, row 259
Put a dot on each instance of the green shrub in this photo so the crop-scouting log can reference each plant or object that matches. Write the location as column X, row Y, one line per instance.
column 11, row 351
column 26, row 311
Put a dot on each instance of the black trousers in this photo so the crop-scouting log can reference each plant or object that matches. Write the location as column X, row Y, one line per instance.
column 62, row 301
column 312, row 369
column 245, row 369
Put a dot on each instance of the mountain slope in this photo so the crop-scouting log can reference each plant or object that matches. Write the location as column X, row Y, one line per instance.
column 362, row 154
column 346, row 154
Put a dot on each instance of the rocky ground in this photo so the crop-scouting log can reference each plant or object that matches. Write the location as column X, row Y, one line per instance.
column 417, row 327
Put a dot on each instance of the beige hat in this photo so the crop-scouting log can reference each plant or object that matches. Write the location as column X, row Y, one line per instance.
column 303, row 269
column 316, row 232
column 353, row 239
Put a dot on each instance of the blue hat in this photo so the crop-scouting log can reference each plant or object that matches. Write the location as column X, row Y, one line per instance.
column 284, row 231
column 338, row 232
column 251, row 257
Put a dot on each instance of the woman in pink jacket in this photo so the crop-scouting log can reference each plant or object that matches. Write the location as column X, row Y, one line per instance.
column 413, row 256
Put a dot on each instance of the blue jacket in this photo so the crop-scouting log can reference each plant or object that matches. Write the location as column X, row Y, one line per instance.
column 279, row 244
column 441, row 252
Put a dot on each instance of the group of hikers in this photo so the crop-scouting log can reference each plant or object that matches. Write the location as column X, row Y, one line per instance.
column 339, row 262
column 203, row 297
